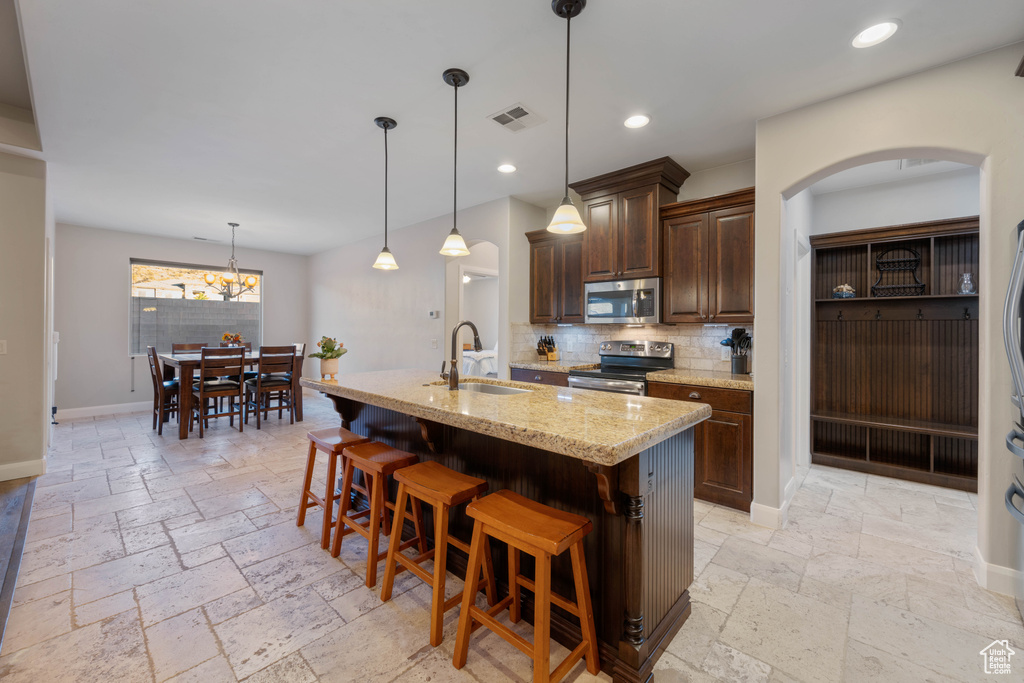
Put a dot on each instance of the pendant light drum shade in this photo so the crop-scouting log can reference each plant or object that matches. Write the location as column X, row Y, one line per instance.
column 454, row 245
column 385, row 260
column 567, row 218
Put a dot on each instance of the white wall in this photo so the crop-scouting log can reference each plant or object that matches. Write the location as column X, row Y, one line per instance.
column 23, row 321
column 523, row 218
column 919, row 199
column 971, row 112
column 480, row 304
column 383, row 316
column 92, row 285
column 718, row 180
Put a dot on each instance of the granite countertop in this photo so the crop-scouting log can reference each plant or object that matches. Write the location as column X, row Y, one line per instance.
column 703, row 378
column 594, row 426
column 563, row 366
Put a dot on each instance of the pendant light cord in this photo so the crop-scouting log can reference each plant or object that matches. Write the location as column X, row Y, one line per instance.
column 568, row 24
column 385, row 187
column 455, row 163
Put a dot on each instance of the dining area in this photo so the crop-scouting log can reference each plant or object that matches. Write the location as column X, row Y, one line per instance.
column 196, row 382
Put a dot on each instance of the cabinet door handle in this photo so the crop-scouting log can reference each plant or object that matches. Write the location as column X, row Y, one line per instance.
column 537, row 378
column 695, row 395
column 712, row 316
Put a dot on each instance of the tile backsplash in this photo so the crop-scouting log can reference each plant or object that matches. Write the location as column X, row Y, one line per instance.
column 697, row 347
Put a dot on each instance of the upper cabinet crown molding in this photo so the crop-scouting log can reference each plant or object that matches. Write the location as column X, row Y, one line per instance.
column 663, row 171
column 721, row 201
column 621, row 212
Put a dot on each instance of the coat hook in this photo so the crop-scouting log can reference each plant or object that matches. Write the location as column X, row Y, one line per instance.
column 967, row 314
column 919, row 316
column 840, row 315
column 878, row 315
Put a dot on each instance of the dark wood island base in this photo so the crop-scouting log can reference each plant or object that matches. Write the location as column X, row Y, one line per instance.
column 640, row 554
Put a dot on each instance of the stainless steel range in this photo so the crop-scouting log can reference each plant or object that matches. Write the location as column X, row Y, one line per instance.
column 624, row 366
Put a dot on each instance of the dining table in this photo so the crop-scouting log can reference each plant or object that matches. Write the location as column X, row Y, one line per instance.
column 186, row 365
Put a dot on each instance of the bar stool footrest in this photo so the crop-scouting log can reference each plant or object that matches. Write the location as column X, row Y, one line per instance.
column 556, row 599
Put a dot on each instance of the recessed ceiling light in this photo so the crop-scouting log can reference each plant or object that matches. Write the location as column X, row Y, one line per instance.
column 638, row 121
column 506, row 168
column 873, row 35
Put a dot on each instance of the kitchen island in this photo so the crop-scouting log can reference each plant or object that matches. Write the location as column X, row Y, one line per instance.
column 625, row 462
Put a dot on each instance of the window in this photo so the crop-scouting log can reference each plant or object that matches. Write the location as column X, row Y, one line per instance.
column 188, row 303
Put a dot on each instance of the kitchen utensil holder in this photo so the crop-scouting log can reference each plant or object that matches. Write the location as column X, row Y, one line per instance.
column 739, row 364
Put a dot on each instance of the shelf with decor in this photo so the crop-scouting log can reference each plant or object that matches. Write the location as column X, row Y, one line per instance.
column 894, row 379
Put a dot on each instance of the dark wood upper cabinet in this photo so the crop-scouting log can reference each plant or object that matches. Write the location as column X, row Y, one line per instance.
column 685, row 289
column 620, row 210
column 731, row 265
column 601, row 216
column 556, row 277
column 709, row 259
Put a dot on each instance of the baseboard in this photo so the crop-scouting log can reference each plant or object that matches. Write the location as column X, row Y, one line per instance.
column 26, row 468
column 774, row 518
column 997, row 578
column 95, row 411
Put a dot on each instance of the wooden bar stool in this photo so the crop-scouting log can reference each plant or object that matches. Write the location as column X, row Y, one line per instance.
column 436, row 485
column 332, row 442
column 543, row 532
column 377, row 461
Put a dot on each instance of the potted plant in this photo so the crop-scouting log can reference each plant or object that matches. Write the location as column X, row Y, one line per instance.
column 329, row 351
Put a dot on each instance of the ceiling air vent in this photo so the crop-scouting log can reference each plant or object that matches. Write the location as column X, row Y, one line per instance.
column 910, row 163
column 205, row 239
column 515, row 118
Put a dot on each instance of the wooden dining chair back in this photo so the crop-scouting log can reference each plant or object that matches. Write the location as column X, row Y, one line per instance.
column 192, row 347
column 274, row 380
column 165, row 392
column 219, row 371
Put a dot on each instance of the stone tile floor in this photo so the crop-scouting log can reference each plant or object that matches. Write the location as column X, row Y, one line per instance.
column 150, row 559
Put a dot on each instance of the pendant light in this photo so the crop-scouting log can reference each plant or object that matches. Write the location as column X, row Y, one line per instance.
column 385, row 261
column 567, row 218
column 454, row 245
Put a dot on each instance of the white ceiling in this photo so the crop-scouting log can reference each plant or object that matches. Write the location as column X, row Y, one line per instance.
column 175, row 118
column 886, row 172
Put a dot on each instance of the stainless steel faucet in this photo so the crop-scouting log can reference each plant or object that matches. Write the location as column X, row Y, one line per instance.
column 453, row 375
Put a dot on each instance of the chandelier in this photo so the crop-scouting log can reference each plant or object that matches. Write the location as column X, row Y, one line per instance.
column 230, row 283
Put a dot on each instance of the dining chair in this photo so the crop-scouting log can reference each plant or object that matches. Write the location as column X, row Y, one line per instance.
column 276, row 365
column 191, row 347
column 165, row 392
column 216, row 368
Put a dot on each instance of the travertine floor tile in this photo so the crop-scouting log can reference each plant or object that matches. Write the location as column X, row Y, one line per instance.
column 257, row 638
column 907, row 635
column 210, row 531
column 181, row 592
column 37, row 621
column 110, row 650
column 788, row 630
column 180, row 643
column 241, row 581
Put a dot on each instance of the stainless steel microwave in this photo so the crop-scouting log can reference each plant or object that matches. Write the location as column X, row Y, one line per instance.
column 623, row 301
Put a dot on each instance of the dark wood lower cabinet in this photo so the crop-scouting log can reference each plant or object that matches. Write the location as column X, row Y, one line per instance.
column 722, row 468
column 555, row 379
column 723, row 460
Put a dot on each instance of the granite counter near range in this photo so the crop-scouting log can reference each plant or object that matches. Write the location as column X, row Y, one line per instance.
column 624, row 462
column 553, row 365
column 703, row 378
